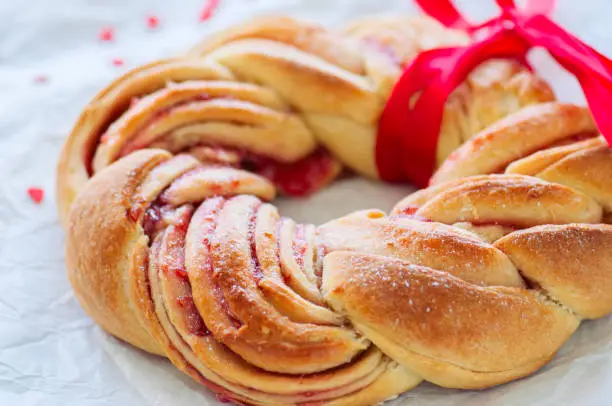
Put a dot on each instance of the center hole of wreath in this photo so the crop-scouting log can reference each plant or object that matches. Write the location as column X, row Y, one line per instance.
column 342, row 197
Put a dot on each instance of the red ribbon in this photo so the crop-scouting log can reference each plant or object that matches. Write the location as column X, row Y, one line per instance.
column 409, row 127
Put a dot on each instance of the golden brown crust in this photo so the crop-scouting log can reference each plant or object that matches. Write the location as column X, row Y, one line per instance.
column 145, row 300
column 429, row 316
column 414, row 201
column 309, row 38
column 587, row 171
column 570, row 263
column 491, row 150
column 429, row 244
column 73, row 171
column 102, row 244
column 520, row 201
column 257, row 307
column 533, row 164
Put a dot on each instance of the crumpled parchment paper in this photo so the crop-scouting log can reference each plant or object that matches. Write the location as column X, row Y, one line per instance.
column 51, row 353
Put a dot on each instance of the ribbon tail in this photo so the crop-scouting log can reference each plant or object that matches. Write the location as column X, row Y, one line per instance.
column 445, row 12
column 598, row 96
column 565, row 47
column 592, row 69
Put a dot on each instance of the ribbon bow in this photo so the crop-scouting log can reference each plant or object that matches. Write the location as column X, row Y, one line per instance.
column 434, row 74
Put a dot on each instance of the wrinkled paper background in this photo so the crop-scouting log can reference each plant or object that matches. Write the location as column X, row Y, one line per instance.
column 51, row 353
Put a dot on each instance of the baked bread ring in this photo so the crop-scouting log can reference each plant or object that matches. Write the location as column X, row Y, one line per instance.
column 172, row 244
column 472, row 282
column 287, row 99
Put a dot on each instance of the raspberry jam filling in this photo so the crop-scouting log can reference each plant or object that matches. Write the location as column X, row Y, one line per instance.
column 409, row 211
column 156, row 218
column 297, row 179
column 300, row 245
column 168, row 225
column 171, row 262
column 213, row 208
column 300, row 178
column 496, row 223
column 257, row 272
column 195, row 324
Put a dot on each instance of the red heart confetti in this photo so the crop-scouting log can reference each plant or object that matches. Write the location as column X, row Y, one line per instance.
column 209, row 8
column 118, row 62
column 152, row 21
column 41, row 79
column 107, row 34
column 36, row 194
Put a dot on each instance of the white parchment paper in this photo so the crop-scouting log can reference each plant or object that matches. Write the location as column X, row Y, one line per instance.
column 51, row 353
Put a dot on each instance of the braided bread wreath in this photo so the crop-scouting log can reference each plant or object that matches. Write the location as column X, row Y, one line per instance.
column 472, row 282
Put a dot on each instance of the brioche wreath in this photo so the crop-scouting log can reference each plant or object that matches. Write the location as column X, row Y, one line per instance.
column 475, row 281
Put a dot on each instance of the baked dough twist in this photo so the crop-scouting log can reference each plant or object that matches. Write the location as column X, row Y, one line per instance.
column 470, row 283
column 287, row 99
